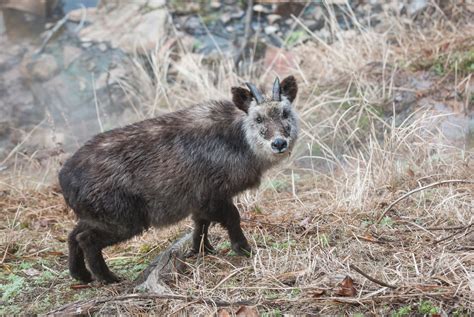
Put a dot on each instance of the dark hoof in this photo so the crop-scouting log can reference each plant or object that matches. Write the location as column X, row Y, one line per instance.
column 242, row 248
column 84, row 277
column 109, row 278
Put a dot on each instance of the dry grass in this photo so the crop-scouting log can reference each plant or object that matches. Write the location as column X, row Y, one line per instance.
column 314, row 219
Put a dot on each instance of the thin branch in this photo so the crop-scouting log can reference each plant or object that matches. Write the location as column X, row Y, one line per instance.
column 452, row 181
column 376, row 281
column 451, row 236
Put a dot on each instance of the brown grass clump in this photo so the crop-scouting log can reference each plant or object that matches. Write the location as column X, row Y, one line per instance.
column 324, row 240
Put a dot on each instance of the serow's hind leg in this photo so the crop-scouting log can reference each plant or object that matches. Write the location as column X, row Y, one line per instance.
column 92, row 241
column 77, row 267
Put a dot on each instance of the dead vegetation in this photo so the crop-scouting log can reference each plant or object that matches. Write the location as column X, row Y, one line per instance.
column 327, row 235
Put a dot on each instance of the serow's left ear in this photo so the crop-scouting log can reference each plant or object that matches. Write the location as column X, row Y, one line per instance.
column 241, row 98
column 289, row 88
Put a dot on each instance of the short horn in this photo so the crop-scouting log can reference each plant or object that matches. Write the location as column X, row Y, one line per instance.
column 255, row 92
column 276, row 91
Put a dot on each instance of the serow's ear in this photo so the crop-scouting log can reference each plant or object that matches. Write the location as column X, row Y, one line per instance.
column 289, row 88
column 241, row 98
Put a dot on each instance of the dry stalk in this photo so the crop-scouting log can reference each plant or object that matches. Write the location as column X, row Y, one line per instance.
column 452, row 181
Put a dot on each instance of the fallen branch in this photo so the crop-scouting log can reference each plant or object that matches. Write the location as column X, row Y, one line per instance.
column 452, row 235
column 376, row 281
column 452, row 181
column 89, row 306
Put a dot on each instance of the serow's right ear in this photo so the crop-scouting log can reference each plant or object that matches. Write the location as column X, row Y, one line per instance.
column 241, row 98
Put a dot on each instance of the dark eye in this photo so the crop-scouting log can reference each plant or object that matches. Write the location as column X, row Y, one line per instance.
column 259, row 120
column 285, row 114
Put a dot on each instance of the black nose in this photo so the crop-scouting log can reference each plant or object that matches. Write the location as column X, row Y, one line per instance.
column 279, row 144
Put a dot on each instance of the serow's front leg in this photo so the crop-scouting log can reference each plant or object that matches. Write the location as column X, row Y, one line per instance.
column 200, row 237
column 230, row 219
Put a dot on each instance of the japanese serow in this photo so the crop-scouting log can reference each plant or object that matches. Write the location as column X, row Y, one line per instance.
column 159, row 171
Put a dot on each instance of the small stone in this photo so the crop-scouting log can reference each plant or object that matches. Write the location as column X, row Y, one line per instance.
column 156, row 4
column 225, row 17
column 82, row 84
column 230, row 28
column 102, row 47
column 270, row 29
column 86, row 44
column 272, row 18
column 215, row 4
column 260, row 8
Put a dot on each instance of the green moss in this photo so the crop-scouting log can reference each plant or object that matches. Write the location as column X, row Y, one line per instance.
column 14, row 284
column 386, row 222
column 402, row 311
column 427, row 307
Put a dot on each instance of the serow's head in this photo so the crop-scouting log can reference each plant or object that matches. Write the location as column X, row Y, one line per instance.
column 271, row 123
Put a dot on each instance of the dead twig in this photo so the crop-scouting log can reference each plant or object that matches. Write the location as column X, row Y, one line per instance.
column 451, row 181
column 89, row 306
column 376, row 281
column 451, row 236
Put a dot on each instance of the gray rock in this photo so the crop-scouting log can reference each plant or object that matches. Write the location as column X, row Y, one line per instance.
column 44, row 67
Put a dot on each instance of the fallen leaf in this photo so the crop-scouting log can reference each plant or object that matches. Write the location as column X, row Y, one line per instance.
column 290, row 278
column 246, row 311
column 346, row 288
column 315, row 293
column 411, row 173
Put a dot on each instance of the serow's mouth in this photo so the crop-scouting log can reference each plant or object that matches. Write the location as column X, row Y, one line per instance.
column 280, row 152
